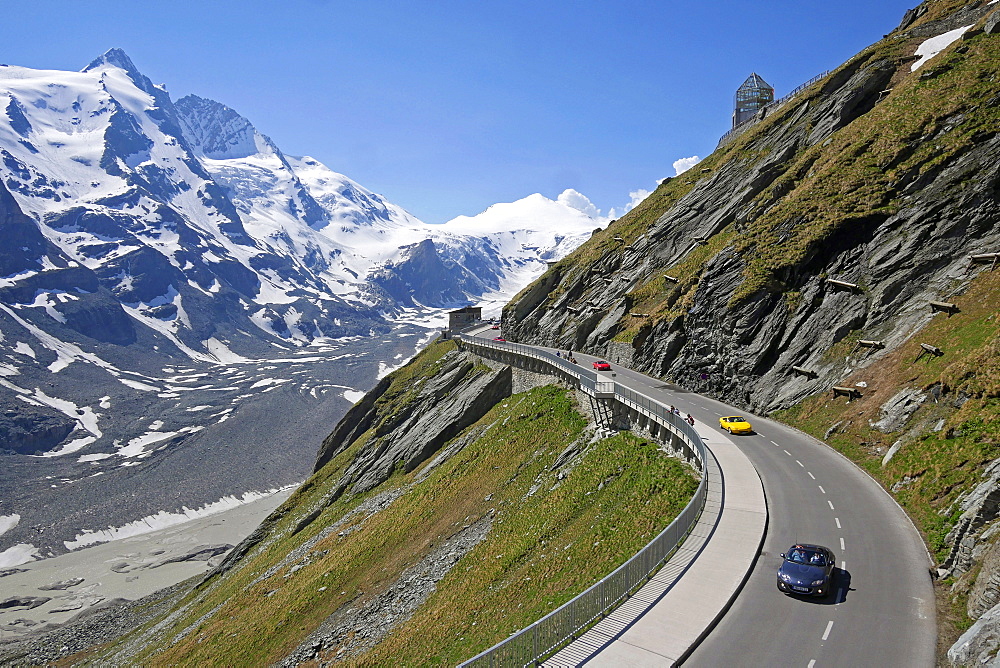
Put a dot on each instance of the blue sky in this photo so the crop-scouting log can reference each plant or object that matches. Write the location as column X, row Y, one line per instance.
column 446, row 107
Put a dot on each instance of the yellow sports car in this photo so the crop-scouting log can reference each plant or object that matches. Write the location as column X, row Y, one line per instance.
column 735, row 424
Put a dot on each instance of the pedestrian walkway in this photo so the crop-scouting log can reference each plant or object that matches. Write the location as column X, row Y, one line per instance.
column 669, row 615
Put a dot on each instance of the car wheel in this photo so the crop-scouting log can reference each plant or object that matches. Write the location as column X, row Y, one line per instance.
column 729, row 430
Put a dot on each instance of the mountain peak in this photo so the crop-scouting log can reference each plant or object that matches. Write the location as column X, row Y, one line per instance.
column 117, row 58
column 114, row 57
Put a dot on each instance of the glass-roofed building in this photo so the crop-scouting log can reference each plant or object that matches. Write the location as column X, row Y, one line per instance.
column 754, row 94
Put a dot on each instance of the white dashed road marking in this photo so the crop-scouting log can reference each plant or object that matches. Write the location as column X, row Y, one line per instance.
column 831, row 505
column 800, row 463
column 838, row 522
column 811, row 475
column 821, row 489
column 826, row 634
column 788, row 453
column 842, row 544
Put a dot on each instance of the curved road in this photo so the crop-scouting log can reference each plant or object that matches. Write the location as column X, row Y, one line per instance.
column 883, row 608
column 882, row 612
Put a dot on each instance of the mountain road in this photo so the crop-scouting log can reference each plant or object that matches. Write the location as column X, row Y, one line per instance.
column 882, row 609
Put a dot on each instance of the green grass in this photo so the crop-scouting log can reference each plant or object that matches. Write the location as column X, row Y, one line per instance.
column 828, row 190
column 933, row 467
column 551, row 538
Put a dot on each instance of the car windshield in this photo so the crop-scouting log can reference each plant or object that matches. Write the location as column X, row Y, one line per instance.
column 800, row 556
column 736, row 419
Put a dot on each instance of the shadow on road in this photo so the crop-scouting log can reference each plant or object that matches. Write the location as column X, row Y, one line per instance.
column 841, row 580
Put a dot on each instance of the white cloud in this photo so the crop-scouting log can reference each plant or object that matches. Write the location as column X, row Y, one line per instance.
column 635, row 196
column 684, row 164
column 579, row 201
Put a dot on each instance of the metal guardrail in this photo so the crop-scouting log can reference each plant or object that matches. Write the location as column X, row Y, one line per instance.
column 527, row 646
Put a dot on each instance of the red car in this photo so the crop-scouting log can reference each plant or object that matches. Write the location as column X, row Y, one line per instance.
column 499, row 338
column 601, row 365
column 495, row 327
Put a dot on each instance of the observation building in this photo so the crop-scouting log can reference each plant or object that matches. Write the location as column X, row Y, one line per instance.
column 754, row 94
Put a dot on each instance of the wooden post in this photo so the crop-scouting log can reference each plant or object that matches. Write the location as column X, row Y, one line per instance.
column 865, row 343
column 928, row 348
column 849, row 392
column 947, row 307
column 853, row 287
column 986, row 257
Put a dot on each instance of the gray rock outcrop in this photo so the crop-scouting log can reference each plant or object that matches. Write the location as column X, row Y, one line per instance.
column 61, row 584
column 978, row 645
column 899, row 409
column 410, row 436
column 24, row 602
column 742, row 349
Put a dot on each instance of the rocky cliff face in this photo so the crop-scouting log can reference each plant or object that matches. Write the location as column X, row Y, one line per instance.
column 417, row 427
column 839, row 215
column 809, row 252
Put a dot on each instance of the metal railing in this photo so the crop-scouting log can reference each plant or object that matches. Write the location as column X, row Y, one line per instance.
column 548, row 634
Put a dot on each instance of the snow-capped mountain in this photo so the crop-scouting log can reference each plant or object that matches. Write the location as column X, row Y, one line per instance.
column 170, row 281
column 203, row 230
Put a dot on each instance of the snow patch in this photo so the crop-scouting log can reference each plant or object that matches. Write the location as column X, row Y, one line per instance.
column 137, row 446
column 136, row 385
column 164, row 519
column 353, row 395
column 8, row 522
column 70, row 448
column 96, row 457
column 19, row 554
column 222, row 353
column 935, row 45
column 24, row 349
column 269, row 381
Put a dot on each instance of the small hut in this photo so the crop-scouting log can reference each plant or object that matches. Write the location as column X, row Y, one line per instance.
column 464, row 317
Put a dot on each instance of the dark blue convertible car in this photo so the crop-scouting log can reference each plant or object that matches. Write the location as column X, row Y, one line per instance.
column 806, row 570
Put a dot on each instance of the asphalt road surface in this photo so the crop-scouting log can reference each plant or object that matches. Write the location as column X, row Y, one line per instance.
column 882, row 609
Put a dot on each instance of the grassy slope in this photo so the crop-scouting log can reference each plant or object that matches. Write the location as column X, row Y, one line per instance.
column 544, row 547
column 926, row 121
column 933, row 466
column 931, row 117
